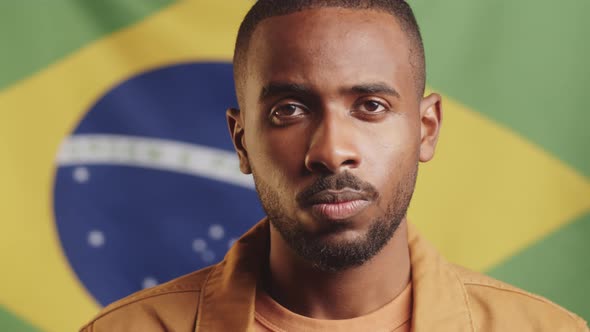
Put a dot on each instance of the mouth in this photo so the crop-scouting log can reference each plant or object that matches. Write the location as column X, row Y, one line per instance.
column 337, row 205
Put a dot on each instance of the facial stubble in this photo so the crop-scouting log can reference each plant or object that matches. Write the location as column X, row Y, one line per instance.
column 334, row 256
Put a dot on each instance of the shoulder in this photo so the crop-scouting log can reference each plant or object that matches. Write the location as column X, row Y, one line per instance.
column 498, row 306
column 169, row 306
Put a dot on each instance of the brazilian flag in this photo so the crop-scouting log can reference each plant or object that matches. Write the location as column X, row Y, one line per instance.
column 117, row 168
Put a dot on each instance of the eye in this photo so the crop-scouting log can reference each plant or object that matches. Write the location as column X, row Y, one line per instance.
column 285, row 113
column 371, row 106
column 288, row 110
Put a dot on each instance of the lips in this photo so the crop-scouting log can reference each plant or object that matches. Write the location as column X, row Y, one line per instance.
column 337, row 205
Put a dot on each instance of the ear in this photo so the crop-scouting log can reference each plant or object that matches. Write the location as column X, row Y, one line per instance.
column 236, row 131
column 430, row 122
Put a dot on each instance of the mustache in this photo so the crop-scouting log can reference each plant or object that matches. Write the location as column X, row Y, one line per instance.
column 335, row 182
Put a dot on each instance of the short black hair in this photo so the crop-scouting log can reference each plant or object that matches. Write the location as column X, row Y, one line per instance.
column 264, row 9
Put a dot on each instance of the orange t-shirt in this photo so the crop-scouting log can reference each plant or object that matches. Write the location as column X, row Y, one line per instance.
column 394, row 316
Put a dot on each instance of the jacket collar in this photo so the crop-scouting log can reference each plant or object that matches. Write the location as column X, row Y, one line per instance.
column 228, row 295
column 440, row 298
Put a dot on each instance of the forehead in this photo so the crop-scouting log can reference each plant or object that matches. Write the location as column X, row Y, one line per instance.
column 328, row 47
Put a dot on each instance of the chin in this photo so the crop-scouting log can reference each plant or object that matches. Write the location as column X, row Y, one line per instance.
column 341, row 236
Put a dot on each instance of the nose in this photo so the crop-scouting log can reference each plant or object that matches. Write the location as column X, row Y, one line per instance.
column 333, row 147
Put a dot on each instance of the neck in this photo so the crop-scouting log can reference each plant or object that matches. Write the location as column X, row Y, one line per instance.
column 353, row 292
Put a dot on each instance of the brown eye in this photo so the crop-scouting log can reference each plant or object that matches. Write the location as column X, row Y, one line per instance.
column 372, row 106
column 287, row 113
column 287, row 110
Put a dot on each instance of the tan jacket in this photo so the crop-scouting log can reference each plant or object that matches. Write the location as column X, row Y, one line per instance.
column 221, row 297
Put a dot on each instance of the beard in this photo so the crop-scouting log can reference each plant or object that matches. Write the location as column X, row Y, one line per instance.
column 334, row 256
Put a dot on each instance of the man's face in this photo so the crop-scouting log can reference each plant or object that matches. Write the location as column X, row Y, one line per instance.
column 332, row 129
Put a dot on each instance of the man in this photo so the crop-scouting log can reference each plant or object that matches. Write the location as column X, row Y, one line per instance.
column 332, row 124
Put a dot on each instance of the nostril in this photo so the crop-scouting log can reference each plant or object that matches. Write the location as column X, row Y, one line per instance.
column 319, row 167
column 324, row 168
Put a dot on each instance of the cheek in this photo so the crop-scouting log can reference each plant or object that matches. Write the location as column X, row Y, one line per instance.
column 394, row 154
column 395, row 138
column 277, row 155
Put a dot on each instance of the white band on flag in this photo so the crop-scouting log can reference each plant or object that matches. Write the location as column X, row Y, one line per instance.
column 147, row 152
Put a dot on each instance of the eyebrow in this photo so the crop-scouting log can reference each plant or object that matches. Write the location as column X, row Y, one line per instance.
column 375, row 88
column 277, row 89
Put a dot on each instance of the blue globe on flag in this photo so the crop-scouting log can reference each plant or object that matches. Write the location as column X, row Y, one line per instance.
column 148, row 186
